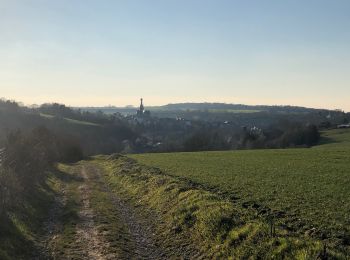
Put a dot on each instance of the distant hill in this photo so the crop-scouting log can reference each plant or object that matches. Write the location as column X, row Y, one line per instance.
column 99, row 130
column 237, row 115
column 96, row 133
column 239, row 107
column 211, row 107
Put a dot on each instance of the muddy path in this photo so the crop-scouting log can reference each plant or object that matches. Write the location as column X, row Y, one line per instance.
column 102, row 226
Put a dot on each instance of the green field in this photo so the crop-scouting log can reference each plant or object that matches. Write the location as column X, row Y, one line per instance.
column 308, row 190
column 73, row 121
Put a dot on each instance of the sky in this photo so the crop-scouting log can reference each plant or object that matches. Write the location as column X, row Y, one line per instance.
column 95, row 53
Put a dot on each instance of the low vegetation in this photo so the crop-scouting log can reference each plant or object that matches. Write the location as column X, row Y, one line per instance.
column 22, row 227
column 27, row 161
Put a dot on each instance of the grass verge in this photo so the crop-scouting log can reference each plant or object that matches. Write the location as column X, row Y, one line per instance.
column 65, row 183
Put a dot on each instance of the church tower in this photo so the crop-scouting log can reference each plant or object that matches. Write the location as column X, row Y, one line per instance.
column 142, row 108
column 142, row 112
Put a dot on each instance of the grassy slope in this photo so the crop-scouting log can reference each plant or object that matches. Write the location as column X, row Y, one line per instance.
column 308, row 188
column 23, row 234
column 69, row 120
column 21, row 230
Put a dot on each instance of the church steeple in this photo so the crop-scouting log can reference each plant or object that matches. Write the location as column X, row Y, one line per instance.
column 142, row 112
column 142, row 108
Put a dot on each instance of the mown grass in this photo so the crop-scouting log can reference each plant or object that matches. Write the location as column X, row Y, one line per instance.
column 307, row 190
column 217, row 227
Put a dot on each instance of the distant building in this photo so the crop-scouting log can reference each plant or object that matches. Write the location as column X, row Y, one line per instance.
column 142, row 112
column 344, row 126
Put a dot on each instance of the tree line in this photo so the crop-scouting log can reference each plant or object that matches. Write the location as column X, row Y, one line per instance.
column 283, row 135
column 116, row 133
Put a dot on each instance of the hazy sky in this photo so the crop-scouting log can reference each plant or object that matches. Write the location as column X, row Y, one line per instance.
column 84, row 52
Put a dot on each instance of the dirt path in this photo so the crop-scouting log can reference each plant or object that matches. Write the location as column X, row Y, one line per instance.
column 140, row 232
column 87, row 233
column 132, row 239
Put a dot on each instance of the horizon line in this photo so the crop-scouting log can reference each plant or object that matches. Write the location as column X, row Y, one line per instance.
column 165, row 104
